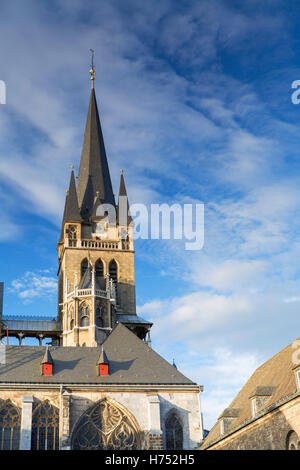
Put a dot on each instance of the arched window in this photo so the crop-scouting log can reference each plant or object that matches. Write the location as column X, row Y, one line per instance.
column 292, row 441
column 113, row 274
column 84, row 266
column 72, row 232
column 10, row 423
column 45, row 427
column 84, row 315
column 106, row 426
column 84, row 321
column 71, row 316
column 99, row 315
column 99, row 271
column 113, row 271
column 174, row 433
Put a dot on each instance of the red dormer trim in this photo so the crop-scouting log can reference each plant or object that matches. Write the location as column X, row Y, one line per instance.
column 103, row 369
column 47, row 369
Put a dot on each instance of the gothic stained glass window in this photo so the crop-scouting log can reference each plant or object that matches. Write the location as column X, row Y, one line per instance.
column 45, row 427
column 174, row 433
column 105, row 426
column 10, row 423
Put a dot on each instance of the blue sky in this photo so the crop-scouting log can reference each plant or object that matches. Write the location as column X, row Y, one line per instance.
column 195, row 103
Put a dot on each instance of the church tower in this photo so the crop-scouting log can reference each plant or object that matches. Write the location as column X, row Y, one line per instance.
column 96, row 279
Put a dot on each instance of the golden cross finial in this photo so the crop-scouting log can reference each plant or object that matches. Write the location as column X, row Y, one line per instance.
column 121, row 171
column 72, row 167
column 92, row 70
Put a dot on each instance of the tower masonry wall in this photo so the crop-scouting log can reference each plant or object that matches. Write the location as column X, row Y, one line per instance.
column 126, row 276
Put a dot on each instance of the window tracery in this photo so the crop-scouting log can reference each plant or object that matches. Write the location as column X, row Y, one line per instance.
column 174, row 433
column 105, row 426
column 10, row 424
column 45, row 427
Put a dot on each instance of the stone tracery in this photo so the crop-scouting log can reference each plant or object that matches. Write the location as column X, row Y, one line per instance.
column 105, row 426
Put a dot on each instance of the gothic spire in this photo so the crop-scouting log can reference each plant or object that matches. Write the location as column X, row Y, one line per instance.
column 123, row 204
column 94, row 172
column 103, row 357
column 71, row 211
column 47, row 359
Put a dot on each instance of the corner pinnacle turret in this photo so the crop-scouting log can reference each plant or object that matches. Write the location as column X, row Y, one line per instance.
column 71, row 211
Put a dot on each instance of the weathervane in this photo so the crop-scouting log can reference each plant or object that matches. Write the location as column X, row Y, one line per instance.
column 92, row 71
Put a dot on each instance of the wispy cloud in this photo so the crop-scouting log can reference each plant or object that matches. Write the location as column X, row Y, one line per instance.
column 34, row 284
column 193, row 108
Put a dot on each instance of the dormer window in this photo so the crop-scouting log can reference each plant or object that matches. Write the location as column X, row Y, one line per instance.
column 47, row 369
column 103, row 369
column 253, row 407
column 47, row 363
column 227, row 419
column 298, row 379
column 102, row 364
column 260, row 398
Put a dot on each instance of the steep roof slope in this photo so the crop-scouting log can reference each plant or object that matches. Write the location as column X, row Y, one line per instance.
column 277, row 372
column 131, row 361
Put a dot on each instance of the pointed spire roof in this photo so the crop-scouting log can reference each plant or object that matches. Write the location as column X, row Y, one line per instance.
column 94, row 172
column 102, row 358
column 71, row 210
column 123, row 193
column 47, row 359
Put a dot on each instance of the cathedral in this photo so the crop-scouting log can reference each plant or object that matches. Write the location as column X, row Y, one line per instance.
column 99, row 385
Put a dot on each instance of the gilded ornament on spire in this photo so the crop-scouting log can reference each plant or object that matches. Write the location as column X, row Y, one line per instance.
column 92, row 70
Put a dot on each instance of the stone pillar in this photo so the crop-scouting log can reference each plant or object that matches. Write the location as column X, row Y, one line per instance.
column 40, row 338
column 20, row 336
column 155, row 441
column 26, row 422
column 65, row 443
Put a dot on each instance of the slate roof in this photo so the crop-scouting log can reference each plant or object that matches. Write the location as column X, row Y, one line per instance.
column 131, row 361
column 275, row 378
column 132, row 318
column 94, row 173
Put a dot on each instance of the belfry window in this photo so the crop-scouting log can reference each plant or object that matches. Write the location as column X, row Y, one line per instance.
column 99, row 316
column 113, row 274
column 84, row 267
column 84, row 321
column 10, row 423
column 174, row 433
column 99, row 271
column 84, row 314
column 72, row 232
column 45, row 427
